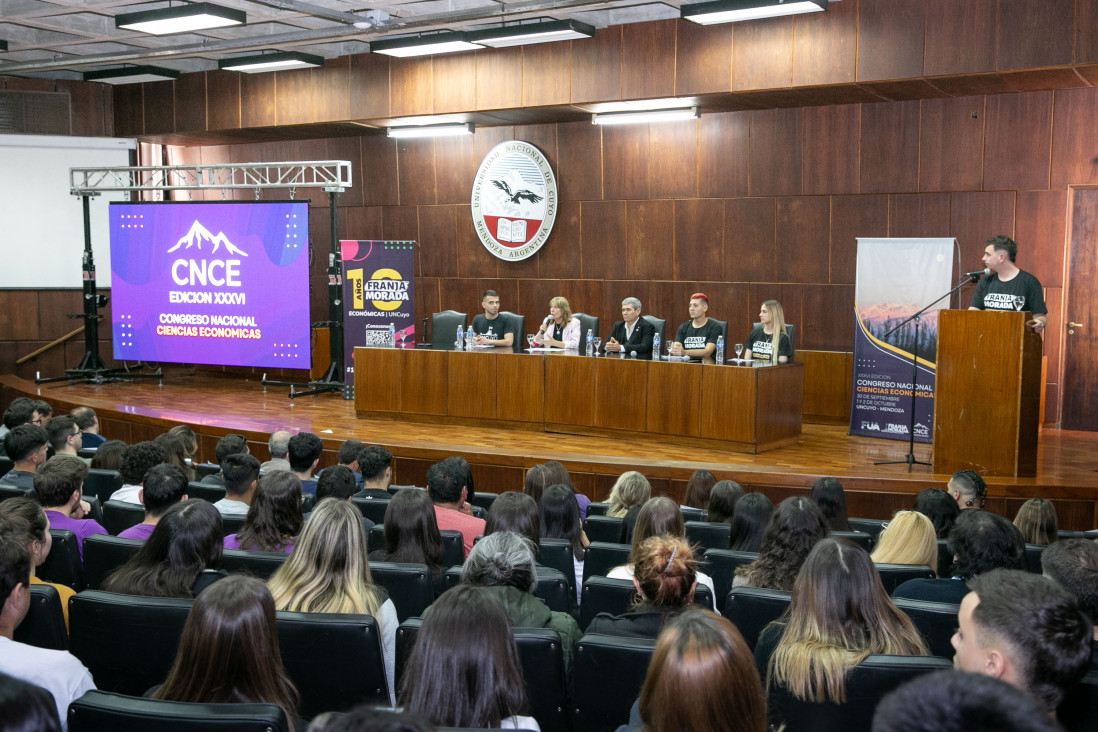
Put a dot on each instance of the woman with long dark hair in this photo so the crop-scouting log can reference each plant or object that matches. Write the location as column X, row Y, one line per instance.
column 794, row 529
column 1036, row 519
column 412, row 535
column 722, row 501
column 659, row 517
column 827, row 494
column 177, row 453
column 108, row 456
column 940, row 508
column 274, row 519
column 536, row 481
column 560, row 520
column 557, row 474
column 517, row 512
column 749, row 522
column 698, row 490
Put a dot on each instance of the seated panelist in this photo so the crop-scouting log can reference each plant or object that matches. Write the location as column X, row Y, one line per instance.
column 560, row 329
column 697, row 337
column 490, row 329
column 768, row 340
column 634, row 333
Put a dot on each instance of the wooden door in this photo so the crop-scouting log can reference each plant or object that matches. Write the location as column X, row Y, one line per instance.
column 1080, row 396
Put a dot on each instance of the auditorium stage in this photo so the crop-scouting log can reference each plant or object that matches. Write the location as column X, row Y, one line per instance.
column 214, row 404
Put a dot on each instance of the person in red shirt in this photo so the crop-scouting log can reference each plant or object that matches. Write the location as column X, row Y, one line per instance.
column 446, row 486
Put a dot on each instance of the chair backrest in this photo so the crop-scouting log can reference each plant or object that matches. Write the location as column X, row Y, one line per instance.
column 453, row 550
column 44, row 625
column 607, row 676
column 873, row 527
column 95, row 510
column 14, row 491
column 334, row 660
column 558, row 554
column 6, row 464
column 87, row 452
column 692, row 514
column 724, row 329
column 371, row 508
column 409, row 586
column 104, row 554
column 615, row 596
column 484, row 500
column 894, row 575
column 516, row 324
column 232, row 523
column 375, row 538
column 602, row 556
column 127, row 642
column 945, row 558
column 205, row 491
column 444, row 329
column 100, row 710
column 552, row 588
column 587, row 322
column 865, row 541
column 604, row 529
column 936, row 622
column 63, row 565
column 121, row 515
column 1033, row 557
column 257, row 564
column 102, row 483
column 659, row 324
column 597, row 508
column 751, row 609
column 722, row 568
column 204, row 469
column 1078, row 712
column 709, row 535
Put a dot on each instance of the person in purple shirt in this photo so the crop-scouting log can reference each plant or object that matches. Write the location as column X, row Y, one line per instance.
column 274, row 519
column 58, row 485
column 164, row 486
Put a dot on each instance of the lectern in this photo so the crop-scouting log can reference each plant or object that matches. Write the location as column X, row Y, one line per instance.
column 988, row 393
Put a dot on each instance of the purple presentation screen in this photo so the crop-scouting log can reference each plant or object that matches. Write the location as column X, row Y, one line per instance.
column 211, row 283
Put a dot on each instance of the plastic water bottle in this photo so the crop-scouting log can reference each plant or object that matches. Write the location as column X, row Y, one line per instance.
column 460, row 338
column 469, row 339
column 392, row 336
column 656, row 347
column 720, row 350
column 590, row 343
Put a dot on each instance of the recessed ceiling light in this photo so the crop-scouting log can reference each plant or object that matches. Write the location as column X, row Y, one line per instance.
column 443, row 130
column 651, row 115
column 731, row 11
column 425, row 45
column 131, row 74
column 277, row 61
column 541, row 31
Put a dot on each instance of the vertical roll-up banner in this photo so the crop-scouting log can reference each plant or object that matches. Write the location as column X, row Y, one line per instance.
column 377, row 291
column 895, row 279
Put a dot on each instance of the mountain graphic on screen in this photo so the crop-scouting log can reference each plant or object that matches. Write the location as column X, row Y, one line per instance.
column 199, row 234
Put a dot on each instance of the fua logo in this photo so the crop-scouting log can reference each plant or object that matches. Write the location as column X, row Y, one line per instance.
column 217, row 272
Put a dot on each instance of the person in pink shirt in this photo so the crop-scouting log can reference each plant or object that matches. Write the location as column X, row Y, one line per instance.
column 447, row 489
column 164, row 486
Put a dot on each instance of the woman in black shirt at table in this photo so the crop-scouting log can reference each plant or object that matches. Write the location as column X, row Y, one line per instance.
column 768, row 340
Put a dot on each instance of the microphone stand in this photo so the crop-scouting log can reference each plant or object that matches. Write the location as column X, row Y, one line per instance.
column 423, row 342
column 909, row 459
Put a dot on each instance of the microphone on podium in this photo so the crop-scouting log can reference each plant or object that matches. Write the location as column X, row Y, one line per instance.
column 977, row 275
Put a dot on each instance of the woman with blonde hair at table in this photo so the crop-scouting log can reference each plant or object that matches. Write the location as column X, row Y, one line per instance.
column 560, row 329
column 768, row 340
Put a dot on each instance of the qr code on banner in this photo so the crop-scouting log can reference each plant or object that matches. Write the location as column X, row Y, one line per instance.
column 377, row 338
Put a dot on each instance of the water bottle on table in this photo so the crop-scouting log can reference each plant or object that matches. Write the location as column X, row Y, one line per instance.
column 392, row 336
column 459, row 339
column 720, row 350
column 469, row 342
column 590, row 343
column 656, row 347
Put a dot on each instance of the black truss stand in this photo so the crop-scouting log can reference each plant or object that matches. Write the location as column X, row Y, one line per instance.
column 909, row 459
column 92, row 369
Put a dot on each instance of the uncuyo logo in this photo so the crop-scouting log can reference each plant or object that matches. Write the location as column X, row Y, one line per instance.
column 514, row 201
column 217, row 272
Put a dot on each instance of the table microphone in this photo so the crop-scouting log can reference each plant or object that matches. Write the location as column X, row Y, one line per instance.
column 632, row 354
column 978, row 275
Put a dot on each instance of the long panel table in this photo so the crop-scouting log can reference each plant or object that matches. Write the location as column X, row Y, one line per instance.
column 742, row 408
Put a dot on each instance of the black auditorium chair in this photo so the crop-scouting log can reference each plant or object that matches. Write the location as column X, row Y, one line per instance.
column 375, row 538
column 484, row 500
column 87, row 452
column 6, row 464
column 597, row 508
column 95, row 509
column 206, row 491
column 722, row 565
column 371, row 508
column 203, row 470
column 104, row 554
column 616, row 596
column 602, row 556
column 552, row 588
column 607, row 676
column 63, row 565
column 257, row 564
column 605, row 529
column 1078, row 712
column 866, row 683
column 308, row 502
column 478, row 511
column 409, row 586
column 751, row 609
column 14, row 491
column 935, row 621
column 453, row 549
column 516, row 324
column 121, row 515
column 660, row 325
column 102, row 483
column 587, row 322
column 558, row 554
column 444, row 329
column 1033, row 557
column 708, row 535
column 873, row 527
column 723, row 324
column 44, row 625
column 862, row 539
column 945, row 559
column 894, row 575
column 102, row 710
column 334, row 660
column 692, row 514
column 232, row 523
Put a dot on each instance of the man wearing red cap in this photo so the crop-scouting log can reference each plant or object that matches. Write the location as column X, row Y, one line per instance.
column 697, row 337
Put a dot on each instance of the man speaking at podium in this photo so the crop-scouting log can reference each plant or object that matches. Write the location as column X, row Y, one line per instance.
column 1008, row 287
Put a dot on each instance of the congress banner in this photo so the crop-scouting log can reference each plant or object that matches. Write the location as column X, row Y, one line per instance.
column 895, row 279
column 377, row 291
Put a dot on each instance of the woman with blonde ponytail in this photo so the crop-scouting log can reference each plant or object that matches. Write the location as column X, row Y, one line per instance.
column 768, row 340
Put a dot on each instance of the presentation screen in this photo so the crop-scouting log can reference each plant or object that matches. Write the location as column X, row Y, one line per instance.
column 211, row 283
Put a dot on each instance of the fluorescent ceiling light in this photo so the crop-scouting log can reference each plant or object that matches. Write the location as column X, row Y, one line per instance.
column 444, row 130
column 641, row 105
column 542, row 31
column 180, row 19
column 425, row 45
column 131, row 74
column 277, row 61
column 731, row 11
column 653, row 115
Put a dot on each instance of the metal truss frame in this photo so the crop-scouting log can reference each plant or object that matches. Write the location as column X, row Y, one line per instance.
column 329, row 175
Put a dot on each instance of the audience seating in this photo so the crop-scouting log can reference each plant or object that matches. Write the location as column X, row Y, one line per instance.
column 44, row 625
column 453, row 550
column 232, row 523
column 409, row 586
column 1033, row 557
column 95, row 509
column 936, row 622
column 708, row 535
column 257, row 564
column 945, row 559
column 865, row 541
column 587, row 322
column 444, row 329
column 6, row 464
column 372, row 508
column 600, row 557
column 722, row 568
column 484, row 500
column 1078, row 712
column 558, row 554
column 894, row 575
column 873, row 527
column 87, row 452
column 607, row 676
column 102, row 710
column 516, row 324
column 478, row 512
column 597, row 508
column 206, row 491
column 751, row 609
column 552, row 588
column 63, row 565
column 605, row 529
column 102, row 483
column 660, row 325
column 616, row 596
column 692, row 514
column 723, row 325
column 120, row 515
column 866, row 684
column 1065, row 534
column 13, row 491
column 104, row 554
column 203, row 470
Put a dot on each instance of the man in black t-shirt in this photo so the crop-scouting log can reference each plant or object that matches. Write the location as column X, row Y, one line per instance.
column 490, row 329
column 1008, row 287
column 697, row 337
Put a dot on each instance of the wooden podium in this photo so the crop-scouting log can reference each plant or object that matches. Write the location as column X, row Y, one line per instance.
column 988, row 392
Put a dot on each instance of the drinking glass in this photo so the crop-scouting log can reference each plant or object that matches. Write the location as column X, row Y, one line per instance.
column 1019, row 302
column 670, row 345
column 739, row 349
column 530, row 339
column 598, row 344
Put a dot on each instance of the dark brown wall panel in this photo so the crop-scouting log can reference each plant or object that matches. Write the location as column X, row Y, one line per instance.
column 830, row 149
column 379, row 171
column 724, row 154
column 750, row 244
column 53, row 308
column 699, row 238
column 648, row 59
column 830, row 322
column 296, row 91
column 362, row 223
column 762, row 54
column 1040, row 234
column 889, row 148
column 890, row 39
column 951, row 144
column 579, row 173
column 411, row 89
column 369, row 86
column 437, row 240
column 825, row 45
column 473, row 259
column 454, row 82
column 625, row 161
column 129, row 113
column 1018, row 142
column 546, row 74
column 223, row 100
column 416, row 171
column 918, row 214
column 562, row 255
column 159, row 107
column 803, row 231
column 258, row 107
column 960, row 36
column 673, row 159
column 703, row 58
column 1086, row 31
column 776, row 140
column 853, row 217
column 90, row 108
column 454, row 169
column 596, row 67
column 1075, row 137
column 499, row 78
column 346, row 148
column 401, row 222
column 975, row 217
column 333, row 89
column 650, row 244
column 791, row 296
column 604, row 240
column 190, row 113
column 1035, row 33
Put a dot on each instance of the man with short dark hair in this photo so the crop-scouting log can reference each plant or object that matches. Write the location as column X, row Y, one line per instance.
column 58, row 487
column 1008, row 287
column 348, row 457
column 489, row 329
column 337, row 482
column 1073, row 564
column 375, row 465
column 88, row 423
column 164, row 486
column 20, row 411
column 241, row 473
column 43, row 413
column 968, row 489
column 64, row 436
column 230, row 444
column 632, row 333
column 1026, row 630
column 279, row 445
column 137, row 460
column 447, row 490
column 26, row 445
column 305, row 450
column 697, row 337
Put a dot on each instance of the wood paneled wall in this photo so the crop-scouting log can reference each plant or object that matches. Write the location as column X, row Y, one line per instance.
column 90, row 104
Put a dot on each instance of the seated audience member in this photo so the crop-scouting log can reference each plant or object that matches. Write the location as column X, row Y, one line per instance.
column 665, row 576
column 536, row 481
column 279, row 445
column 697, row 337
column 828, row 495
column 467, row 470
column 24, row 517
column 722, row 501
column 839, row 615
column 44, row 413
column 180, row 558
column 64, row 436
column 908, row 539
column 1036, row 519
column 58, row 488
column 176, row 453
column 504, row 564
column 412, row 536
column 88, row 423
column 328, row 572
column 305, row 451
column 953, row 701
column 274, row 518
column 980, row 542
column 189, row 439
column 464, row 669
column 58, row 672
column 702, row 677
column 164, row 486
column 26, row 446
column 375, row 464
column 658, row 517
column 517, row 512
column 338, row 482
column 560, row 520
column 968, row 489
column 240, row 473
column 769, row 340
column 698, row 490
column 794, row 528
column 446, row 487
column 749, row 522
column 1026, row 630
column 630, row 490
column 136, row 461
column 25, row 707
column 940, row 508
column 230, row 444
column 21, row 410
column 347, row 456
column 558, row 475
column 561, row 329
column 109, row 455
column 231, row 635
column 1073, row 564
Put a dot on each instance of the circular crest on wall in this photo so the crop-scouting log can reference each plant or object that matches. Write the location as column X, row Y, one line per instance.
column 514, row 202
